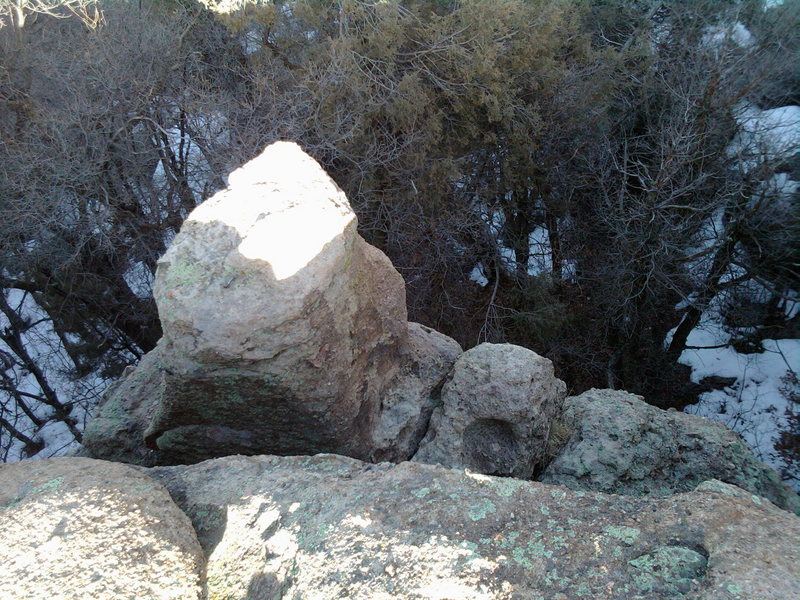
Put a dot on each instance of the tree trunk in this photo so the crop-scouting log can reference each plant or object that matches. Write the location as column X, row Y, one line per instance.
column 555, row 244
column 694, row 312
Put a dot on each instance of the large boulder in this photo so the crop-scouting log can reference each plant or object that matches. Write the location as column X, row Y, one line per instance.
column 329, row 527
column 495, row 412
column 618, row 444
column 85, row 529
column 284, row 332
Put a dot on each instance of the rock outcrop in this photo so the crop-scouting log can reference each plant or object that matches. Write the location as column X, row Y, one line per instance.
column 495, row 412
column 618, row 444
column 328, row 527
column 332, row 527
column 85, row 529
column 284, row 332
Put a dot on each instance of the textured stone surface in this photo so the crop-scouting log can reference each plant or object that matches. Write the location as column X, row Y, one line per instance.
column 495, row 412
column 409, row 399
column 77, row 528
column 328, row 527
column 621, row 445
column 117, row 431
column 284, row 331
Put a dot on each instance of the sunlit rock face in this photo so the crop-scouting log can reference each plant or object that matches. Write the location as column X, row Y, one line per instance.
column 495, row 413
column 276, row 248
column 88, row 529
column 327, row 527
column 283, row 331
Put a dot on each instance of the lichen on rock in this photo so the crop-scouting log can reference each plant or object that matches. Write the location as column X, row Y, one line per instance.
column 333, row 527
column 619, row 444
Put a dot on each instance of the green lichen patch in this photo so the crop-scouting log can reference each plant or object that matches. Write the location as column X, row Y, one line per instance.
column 504, row 542
column 538, row 549
column 559, row 542
column 421, row 493
column 734, row 589
column 51, row 487
column 182, row 273
column 472, row 547
column 143, row 487
column 713, row 485
column 481, row 509
column 554, row 579
column 626, row 535
column 505, row 487
column 518, row 554
column 671, row 570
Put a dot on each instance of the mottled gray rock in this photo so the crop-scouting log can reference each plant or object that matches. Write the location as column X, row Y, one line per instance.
column 77, row 528
column 329, row 527
column 619, row 444
column 409, row 399
column 117, row 431
column 284, row 332
column 495, row 412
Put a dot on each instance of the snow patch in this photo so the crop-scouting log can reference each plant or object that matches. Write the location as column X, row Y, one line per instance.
column 569, row 270
column 495, row 220
column 252, row 41
column 140, row 280
column 754, row 405
column 765, row 135
column 48, row 352
column 540, row 259
column 718, row 35
column 478, row 275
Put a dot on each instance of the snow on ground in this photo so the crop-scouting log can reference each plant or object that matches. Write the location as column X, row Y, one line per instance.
column 718, row 35
column 252, row 41
column 766, row 135
column 182, row 144
column 44, row 344
column 190, row 144
column 48, row 352
column 478, row 275
column 540, row 260
column 540, row 257
column 140, row 279
column 569, row 270
column 755, row 404
column 780, row 188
